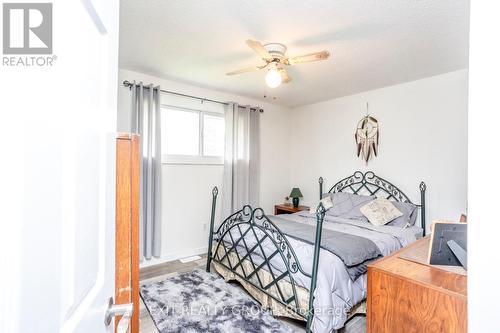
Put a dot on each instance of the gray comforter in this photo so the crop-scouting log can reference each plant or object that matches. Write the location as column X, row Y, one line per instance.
column 354, row 251
column 336, row 291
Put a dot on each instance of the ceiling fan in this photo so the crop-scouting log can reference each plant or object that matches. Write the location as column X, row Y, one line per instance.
column 275, row 61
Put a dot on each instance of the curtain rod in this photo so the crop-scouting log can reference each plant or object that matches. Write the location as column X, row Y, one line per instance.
column 128, row 84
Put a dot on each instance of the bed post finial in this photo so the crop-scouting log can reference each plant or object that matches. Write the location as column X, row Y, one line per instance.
column 215, row 192
column 423, row 188
column 320, row 181
column 320, row 215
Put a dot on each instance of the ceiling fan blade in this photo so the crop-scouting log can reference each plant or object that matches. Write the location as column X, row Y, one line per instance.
column 245, row 70
column 285, row 78
column 259, row 49
column 316, row 56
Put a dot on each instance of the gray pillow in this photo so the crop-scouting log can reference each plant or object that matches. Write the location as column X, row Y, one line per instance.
column 413, row 217
column 409, row 216
column 347, row 205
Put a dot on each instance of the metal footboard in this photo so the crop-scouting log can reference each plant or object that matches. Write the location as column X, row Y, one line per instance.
column 240, row 238
column 232, row 249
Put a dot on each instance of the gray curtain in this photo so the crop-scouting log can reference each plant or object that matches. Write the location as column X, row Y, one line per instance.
column 241, row 183
column 146, row 121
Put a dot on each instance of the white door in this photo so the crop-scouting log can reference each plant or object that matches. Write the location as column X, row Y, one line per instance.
column 57, row 171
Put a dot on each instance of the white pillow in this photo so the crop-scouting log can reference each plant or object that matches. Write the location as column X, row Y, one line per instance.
column 380, row 211
column 327, row 204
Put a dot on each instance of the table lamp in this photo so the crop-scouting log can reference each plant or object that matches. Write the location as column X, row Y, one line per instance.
column 295, row 195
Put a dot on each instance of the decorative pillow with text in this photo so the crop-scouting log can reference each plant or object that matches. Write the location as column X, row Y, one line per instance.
column 380, row 211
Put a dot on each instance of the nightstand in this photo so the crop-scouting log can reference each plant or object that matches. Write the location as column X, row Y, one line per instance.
column 288, row 209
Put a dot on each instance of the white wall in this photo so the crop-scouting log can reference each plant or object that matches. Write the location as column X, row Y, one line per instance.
column 423, row 136
column 423, row 126
column 186, row 195
column 484, row 227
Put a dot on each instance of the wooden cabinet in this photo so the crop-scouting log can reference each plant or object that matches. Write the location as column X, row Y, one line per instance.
column 288, row 209
column 406, row 296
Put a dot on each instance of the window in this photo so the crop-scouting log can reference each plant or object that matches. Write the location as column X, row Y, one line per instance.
column 192, row 136
column 213, row 135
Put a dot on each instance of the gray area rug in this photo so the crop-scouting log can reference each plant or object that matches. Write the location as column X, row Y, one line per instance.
column 198, row 301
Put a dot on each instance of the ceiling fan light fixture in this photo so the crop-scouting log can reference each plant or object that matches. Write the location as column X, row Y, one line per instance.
column 273, row 77
column 275, row 60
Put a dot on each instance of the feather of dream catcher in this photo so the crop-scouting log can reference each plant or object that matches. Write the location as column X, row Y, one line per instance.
column 367, row 136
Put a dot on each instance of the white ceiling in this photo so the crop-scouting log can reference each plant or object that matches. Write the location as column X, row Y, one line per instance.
column 373, row 43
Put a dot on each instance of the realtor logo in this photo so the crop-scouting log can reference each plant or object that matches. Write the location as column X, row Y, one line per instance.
column 27, row 28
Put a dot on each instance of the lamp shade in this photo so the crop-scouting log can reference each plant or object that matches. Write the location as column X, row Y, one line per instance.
column 295, row 193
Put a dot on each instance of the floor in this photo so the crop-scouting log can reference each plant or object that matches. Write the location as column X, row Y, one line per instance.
column 160, row 272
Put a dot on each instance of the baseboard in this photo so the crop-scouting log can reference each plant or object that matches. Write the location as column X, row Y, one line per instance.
column 174, row 256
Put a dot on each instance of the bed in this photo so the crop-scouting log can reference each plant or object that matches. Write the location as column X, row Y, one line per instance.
column 310, row 266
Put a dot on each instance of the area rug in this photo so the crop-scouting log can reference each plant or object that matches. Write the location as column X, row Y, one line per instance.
column 198, row 301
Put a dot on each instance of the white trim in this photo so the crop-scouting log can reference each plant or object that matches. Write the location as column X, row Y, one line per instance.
column 174, row 256
column 200, row 133
column 192, row 159
column 181, row 108
column 189, row 259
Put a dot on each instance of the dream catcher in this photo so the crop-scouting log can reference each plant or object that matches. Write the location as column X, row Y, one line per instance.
column 367, row 136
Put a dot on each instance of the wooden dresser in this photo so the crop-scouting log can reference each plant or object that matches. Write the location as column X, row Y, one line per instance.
column 406, row 296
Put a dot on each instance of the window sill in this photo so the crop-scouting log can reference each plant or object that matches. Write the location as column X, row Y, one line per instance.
column 191, row 160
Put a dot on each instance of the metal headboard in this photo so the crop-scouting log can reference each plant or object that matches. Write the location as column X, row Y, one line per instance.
column 370, row 184
column 230, row 238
